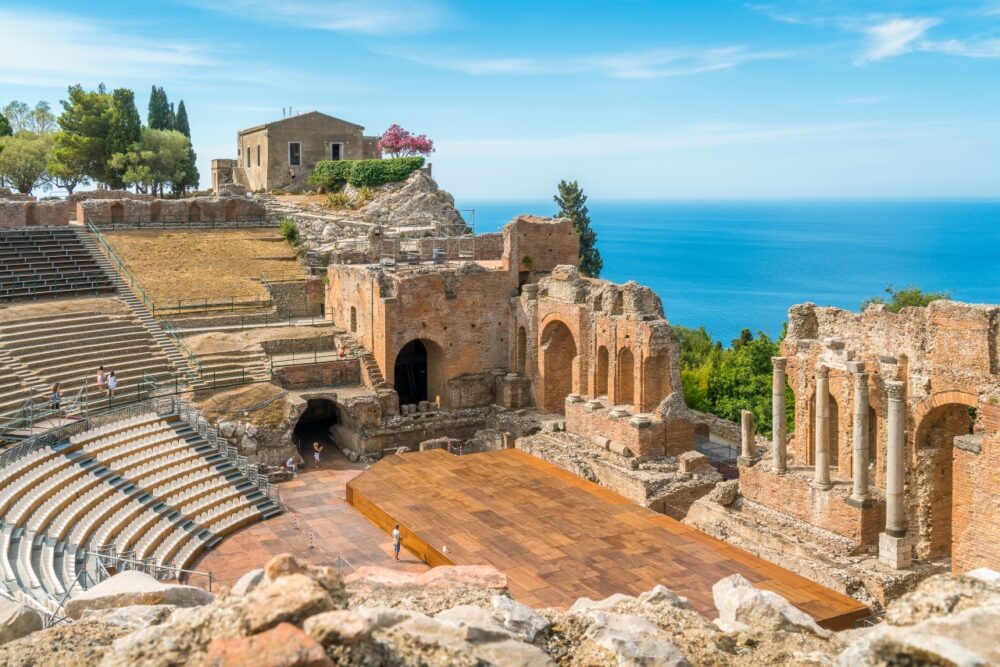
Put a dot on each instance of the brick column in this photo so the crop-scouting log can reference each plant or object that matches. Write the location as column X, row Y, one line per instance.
column 859, row 462
column 893, row 544
column 779, row 457
column 821, row 478
column 747, row 445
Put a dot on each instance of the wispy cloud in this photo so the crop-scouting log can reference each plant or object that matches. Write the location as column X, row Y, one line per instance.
column 370, row 17
column 967, row 48
column 43, row 48
column 863, row 99
column 645, row 64
column 894, row 37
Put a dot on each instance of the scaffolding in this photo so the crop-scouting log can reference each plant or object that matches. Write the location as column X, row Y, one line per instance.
column 435, row 243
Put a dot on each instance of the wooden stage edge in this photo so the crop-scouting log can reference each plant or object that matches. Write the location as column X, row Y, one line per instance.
column 559, row 537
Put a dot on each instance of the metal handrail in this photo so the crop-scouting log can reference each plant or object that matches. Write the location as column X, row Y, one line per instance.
column 123, row 270
column 182, row 345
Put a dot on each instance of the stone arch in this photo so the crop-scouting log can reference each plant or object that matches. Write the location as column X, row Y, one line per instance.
column 194, row 212
column 155, row 211
column 117, row 213
column 313, row 425
column 942, row 418
column 520, row 351
column 834, row 425
column 655, row 382
column 230, row 212
column 354, row 319
column 625, row 377
column 601, row 377
column 558, row 359
column 418, row 372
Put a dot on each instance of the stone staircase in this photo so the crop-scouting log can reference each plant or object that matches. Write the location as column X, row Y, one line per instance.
column 173, row 354
column 371, row 373
column 231, row 367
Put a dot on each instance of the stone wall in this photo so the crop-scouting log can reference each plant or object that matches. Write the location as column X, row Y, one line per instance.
column 289, row 345
column 549, row 242
column 975, row 491
column 26, row 213
column 150, row 211
column 324, row 374
column 299, row 298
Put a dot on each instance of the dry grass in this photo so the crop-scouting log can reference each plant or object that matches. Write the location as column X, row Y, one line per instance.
column 15, row 312
column 226, row 341
column 217, row 265
column 225, row 403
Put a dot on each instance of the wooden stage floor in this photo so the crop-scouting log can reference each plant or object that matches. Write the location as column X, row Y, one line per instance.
column 559, row 537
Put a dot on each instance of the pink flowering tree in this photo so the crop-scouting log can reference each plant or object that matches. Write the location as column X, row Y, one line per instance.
column 399, row 142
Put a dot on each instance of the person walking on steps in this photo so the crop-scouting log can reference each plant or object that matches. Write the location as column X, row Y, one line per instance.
column 111, row 382
column 396, row 535
column 100, row 378
column 317, row 450
column 56, row 397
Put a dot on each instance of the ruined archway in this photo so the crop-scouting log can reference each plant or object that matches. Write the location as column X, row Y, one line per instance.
column 117, row 213
column 314, row 425
column 931, row 505
column 834, row 428
column 625, row 374
column 601, row 381
column 558, row 353
column 194, row 212
column 354, row 319
column 230, row 211
column 521, row 351
column 418, row 373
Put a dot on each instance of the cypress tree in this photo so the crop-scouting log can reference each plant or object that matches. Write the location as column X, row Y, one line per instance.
column 181, row 121
column 124, row 129
column 171, row 116
column 158, row 117
column 573, row 205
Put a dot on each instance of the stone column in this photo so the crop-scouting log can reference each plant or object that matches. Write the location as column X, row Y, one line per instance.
column 859, row 462
column 747, row 445
column 779, row 426
column 821, row 478
column 893, row 544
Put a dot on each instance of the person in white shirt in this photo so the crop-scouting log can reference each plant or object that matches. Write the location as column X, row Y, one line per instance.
column 112, row 383
column 396, row 536
column 290, row 464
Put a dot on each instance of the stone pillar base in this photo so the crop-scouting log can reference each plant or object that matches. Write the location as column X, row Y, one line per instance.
column 862, row 503
column 745, row 461
column 822, row 486
column 896, row 552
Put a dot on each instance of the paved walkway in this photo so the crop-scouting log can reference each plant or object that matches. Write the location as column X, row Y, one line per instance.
column 319, row 527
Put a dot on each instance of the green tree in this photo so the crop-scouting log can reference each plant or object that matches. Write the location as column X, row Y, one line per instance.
column 5, row 129
column 85, row 123
column 181, row 121
column 22, row 117
column 905, row 297
column 124, row 130
column 742, row 381
column 573, row 205
column 24, row 159
column 171, row 116
column 158, row 159
column 63, row 175
column 182, row 125
column 158, row 113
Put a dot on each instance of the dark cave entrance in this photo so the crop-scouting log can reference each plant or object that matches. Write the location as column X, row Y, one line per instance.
column 314, row 425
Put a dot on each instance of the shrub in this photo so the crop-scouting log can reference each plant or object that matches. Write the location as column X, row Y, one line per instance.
column 333, row 174
column 277, row 191
column 289, row 231
column 365, row 194
column 338, row 200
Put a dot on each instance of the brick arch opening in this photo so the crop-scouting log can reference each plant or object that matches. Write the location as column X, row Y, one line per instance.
column 230, row 211
column 625, row 377
column 117, row 213
column 655, row 381
column 932, row 503
column 834, row 425
column 418, row 372
column 558, row 353
column 314, row 424
column 520, row 351
column 194, row 213
column 601, row 379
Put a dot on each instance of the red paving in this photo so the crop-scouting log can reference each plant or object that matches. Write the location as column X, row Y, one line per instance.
column 319, row 527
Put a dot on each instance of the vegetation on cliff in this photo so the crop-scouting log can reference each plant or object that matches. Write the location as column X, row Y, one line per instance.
column 332, row 175
column 573, row 205
column 904, row 297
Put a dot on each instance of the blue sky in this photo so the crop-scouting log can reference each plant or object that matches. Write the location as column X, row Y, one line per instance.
column 635, row 99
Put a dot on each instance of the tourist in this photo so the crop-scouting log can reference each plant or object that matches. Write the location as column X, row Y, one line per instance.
column 343, row 350
column 56, row 397
column 291, row 465
column 100, row 378
column 317, row 450
column 111, row 382
column 396, row 535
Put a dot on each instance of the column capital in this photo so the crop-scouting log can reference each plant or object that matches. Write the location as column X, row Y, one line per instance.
column 822, row 371
column 895, row 390
column 779, row 363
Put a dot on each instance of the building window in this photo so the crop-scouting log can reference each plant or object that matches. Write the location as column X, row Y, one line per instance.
column 335, row 151
column 294, row 153
column 258, row 155
column 248, row 157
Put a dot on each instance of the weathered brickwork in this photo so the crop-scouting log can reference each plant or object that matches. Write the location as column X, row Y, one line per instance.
column 146, row 211
column 298, row 298
column 27, row 213
column 325, row 374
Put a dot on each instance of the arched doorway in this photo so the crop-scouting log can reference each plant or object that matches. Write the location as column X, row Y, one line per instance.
column 194, row 213
column 418, row 374
column 117, row 213
column 230, row 211
column 931, row 514
column 601, row 384
column 834, row 425
column 625, row 386
column 354, row 319
column 314, row 425
column 520, row 351
column 558, row 352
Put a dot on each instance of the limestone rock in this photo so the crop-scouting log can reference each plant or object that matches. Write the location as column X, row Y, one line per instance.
column 940, row 595
column 585, row 604
column 293, row 597
column 724, row 493
column 248, row 582
column 518, row 618
column 477, row 624
column 741, row 607
column 286, row 564
column 227, row 429
column 633, row 640
column 382, row 618
column 660, row 594
column 135, row 616
column 464, row 576
column 339, row 627
column 17, row 620
column 135, row 588
column 502, row 652
column 282, row 646
column 985, row 574
column 966, row 639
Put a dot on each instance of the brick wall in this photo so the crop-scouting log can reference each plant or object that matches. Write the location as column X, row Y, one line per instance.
column 299, row 298
column 330, row 374
column 645, row 441
column 151, row 211
column 976, row 497
column 791, row 494
column 21, row 213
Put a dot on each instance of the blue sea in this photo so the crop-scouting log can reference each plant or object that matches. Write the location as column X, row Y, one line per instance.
column 736, row 265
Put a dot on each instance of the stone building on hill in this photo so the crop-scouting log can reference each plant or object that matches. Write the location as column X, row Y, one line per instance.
column 282, row 153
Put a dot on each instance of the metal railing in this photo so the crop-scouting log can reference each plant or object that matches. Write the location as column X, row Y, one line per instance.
column 247, row 223
column 182, row 345
column 305, row 358
column 122, row 269
column 265, row 320
column 108, row 558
